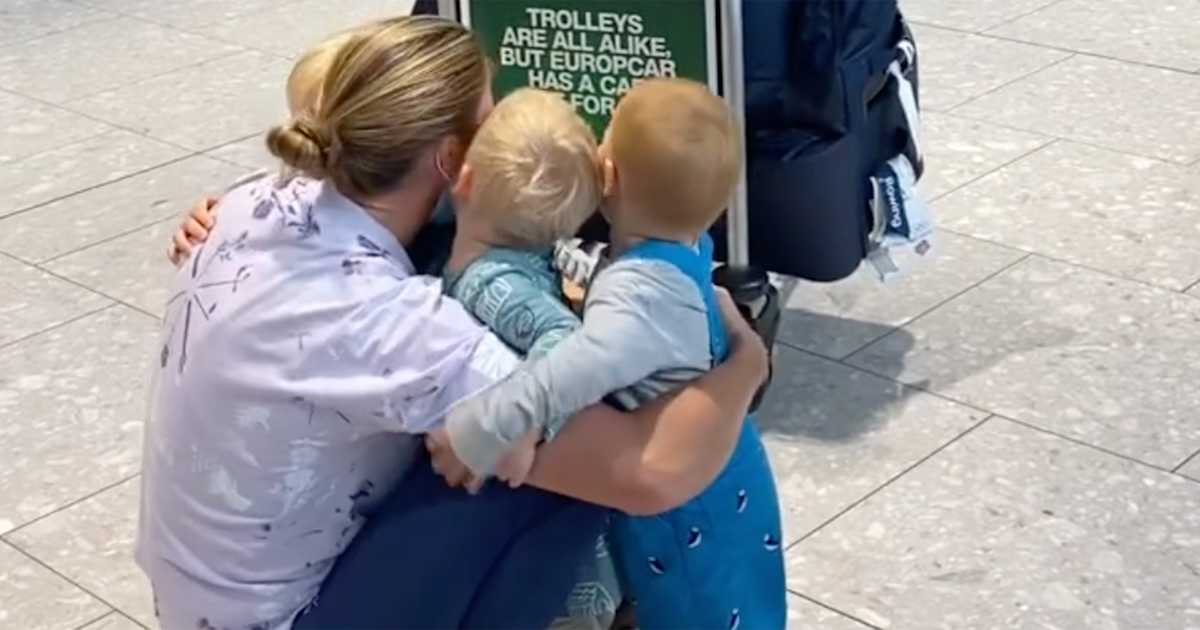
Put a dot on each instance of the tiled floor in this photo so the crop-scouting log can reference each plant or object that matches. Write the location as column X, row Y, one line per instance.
column 1004, row 441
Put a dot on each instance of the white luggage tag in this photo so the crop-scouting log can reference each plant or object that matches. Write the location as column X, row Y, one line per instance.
column 903, row 235
column 902, row 238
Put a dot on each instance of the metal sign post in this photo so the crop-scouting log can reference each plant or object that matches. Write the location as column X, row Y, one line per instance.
column 592, row 52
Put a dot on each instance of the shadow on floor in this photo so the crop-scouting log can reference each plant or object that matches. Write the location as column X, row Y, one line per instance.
column 818, row 398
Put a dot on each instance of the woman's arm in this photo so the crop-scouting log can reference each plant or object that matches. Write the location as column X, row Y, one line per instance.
column 641, row 319
column 667, row 452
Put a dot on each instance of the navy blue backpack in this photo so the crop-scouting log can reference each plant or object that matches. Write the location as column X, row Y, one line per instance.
column 822, row 114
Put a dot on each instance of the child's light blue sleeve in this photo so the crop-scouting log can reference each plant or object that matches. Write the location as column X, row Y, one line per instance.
column 641, row 317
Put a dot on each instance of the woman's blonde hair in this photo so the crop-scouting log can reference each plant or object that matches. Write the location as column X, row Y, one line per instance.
column 534, row 169
column 394, row 90
column 308, row 75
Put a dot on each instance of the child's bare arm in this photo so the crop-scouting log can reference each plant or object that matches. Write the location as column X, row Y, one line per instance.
column 633, row 326
column 193, row 230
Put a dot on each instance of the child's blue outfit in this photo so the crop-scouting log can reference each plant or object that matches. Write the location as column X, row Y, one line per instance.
column 651, row 324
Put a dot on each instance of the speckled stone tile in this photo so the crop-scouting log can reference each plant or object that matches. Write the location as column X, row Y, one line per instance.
column 115, row 621
column 968, row 15
column 805, row 615
column 248, row 152
column 71, row 406
column 226, row 99
column 957, row 67
column 1012, row 529
column 835, row 434
column 29, row 127
column 1118, row 105
column 79, row 166
column 91, row 544
column 1149, row 31
column 1103, row 360
column 102, row 213
column 836, row 319
column 33, row 598
column 290, row 29
column 1130, row 216
column 132, row 268
column 185, row 14
column 32, row 300
column 959, row 151
column 101, row 56
column 23, row 20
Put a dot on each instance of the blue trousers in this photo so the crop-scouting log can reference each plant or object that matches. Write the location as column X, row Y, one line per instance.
column 434, row 558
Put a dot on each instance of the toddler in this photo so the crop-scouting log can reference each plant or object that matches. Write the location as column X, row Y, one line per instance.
column 530, row 178
column 668, row 165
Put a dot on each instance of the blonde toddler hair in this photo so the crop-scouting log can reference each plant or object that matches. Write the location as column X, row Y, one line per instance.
column 534, row 169
column 677, row 149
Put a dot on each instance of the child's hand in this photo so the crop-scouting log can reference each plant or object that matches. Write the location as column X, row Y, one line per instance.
column 514, row 467
column 576, row 263
column 447, row 464
column 193, row 230
column 573, row 294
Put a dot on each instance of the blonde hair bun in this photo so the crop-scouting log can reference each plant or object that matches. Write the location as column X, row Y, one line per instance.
column 300, row 147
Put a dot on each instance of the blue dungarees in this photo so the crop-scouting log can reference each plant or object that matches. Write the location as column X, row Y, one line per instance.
column 717, row 561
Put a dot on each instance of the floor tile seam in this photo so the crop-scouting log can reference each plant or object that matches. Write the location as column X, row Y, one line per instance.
column 1022, row 16
column 1024, row 423
column 155, row 75
column 926, row 312
column 115, row 300
column 892, row 480
column 194, row 29
column 915, row 389
column 1010, row 82
column 111, row 128
column 40, row 264
column 211, row 152
column 1088, row 445
column 96, row 620
column 60, row 575
column 7, row 536
column 1013, row 40
column 1084, row 143
column 1185, row 462
column 111, row 15
column 90, row 188
column 1050, row 141
column 1087, row 53
column 51, row 148
column 837, row 611
column 34, row 335
column 1069, row 263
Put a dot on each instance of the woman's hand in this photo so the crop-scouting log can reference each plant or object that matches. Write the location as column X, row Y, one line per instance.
column 193, row 230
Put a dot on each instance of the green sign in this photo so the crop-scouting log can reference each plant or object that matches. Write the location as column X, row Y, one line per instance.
column 593, row 51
